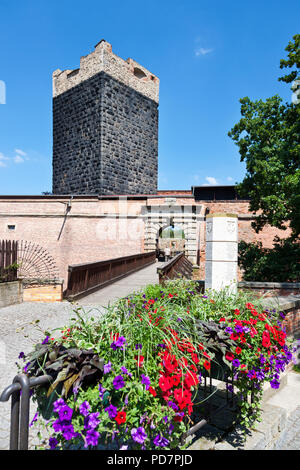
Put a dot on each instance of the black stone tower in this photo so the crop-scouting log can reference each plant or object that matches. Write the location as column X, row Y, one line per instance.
column 105, row 126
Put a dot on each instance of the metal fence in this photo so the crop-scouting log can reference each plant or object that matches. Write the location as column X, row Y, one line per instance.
column 8, row 260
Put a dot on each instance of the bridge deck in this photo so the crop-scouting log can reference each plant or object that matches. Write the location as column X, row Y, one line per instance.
column 118, row 289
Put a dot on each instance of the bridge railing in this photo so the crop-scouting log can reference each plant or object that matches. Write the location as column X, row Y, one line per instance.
column 178, row 267
column 19, row 392
column 85, row 278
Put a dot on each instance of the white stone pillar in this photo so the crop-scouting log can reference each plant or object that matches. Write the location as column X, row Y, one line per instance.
column 221, row 251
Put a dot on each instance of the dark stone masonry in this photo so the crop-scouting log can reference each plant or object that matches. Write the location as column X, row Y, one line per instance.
column 105, row 139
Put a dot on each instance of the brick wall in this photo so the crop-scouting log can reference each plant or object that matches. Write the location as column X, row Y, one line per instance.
column 96, row 230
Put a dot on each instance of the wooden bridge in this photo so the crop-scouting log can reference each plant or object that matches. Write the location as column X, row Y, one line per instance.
column 105, row 281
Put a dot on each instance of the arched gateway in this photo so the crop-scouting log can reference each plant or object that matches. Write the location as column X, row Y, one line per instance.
column 157, row 217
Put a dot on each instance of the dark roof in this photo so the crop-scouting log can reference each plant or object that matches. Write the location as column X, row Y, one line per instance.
column 215, row 193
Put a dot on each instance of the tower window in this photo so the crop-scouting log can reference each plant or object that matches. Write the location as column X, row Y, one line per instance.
column 139, row 73
column 11, row 227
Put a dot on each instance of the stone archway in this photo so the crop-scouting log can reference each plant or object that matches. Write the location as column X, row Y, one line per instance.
column 185, row 216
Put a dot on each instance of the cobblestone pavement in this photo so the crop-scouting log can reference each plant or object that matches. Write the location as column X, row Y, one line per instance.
column 290, row 438
column 13, row 341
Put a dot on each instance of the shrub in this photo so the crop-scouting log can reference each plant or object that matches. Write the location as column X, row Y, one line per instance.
column 277, row 264
column 128, row 378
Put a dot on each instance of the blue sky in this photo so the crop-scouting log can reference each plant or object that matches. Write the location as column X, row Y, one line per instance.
column 207, row 55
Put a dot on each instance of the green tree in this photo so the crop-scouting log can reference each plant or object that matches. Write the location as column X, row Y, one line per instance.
column 268, row 137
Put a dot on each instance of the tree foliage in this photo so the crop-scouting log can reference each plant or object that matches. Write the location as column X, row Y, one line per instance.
column 277, row 264
column 268, row 137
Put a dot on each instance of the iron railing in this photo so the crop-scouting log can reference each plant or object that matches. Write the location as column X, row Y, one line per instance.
column 85, row 278
column 19, row 391
column 178, row 267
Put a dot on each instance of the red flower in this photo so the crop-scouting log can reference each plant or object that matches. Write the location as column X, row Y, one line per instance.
column 152, row 391
column 238, row 350
column 190, row 379
column 236, row 311
column 234, row 336
column 164, row 383
column 178, row 395
column 170, row 362
column 249, row 306
column 195, row 358
column 175, row 379
column 178, row 418
column 140, row 360
column 222, row 319
column 253, row 332
column 206, row 365
column 121, row 417
column 266, row 342
column 229, row 356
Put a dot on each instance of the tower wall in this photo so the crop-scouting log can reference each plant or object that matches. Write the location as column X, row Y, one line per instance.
column 105, row 127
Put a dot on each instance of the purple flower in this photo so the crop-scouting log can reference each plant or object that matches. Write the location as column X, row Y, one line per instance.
column 53, row 443
column 107, row 368
column 123, row 447
column 26, row 367
column 91, row 421
column 160, row 441
column 236, row 363
column 58, row 404
column 21, row 355
column 68, row 432
column 173, row 405
column 139, row 435
column 275, row 383
column 138, row 346
column 112, row 411
column 125, row 371
column 229, row 330
column 171, row 428
column 91, row 438
column 65, row 413
column 57, row 425
column 84, row 408
column 119, row 343
column 101, row 391
column 118, row 382
column 34, row 419
column 239, row 329
column 46, row 340
column 145, row 381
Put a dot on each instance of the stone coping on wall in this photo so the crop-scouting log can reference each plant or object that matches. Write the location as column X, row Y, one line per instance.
column 269, row 285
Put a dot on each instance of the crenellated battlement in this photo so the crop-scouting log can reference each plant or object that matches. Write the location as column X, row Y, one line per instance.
column 103, row 59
